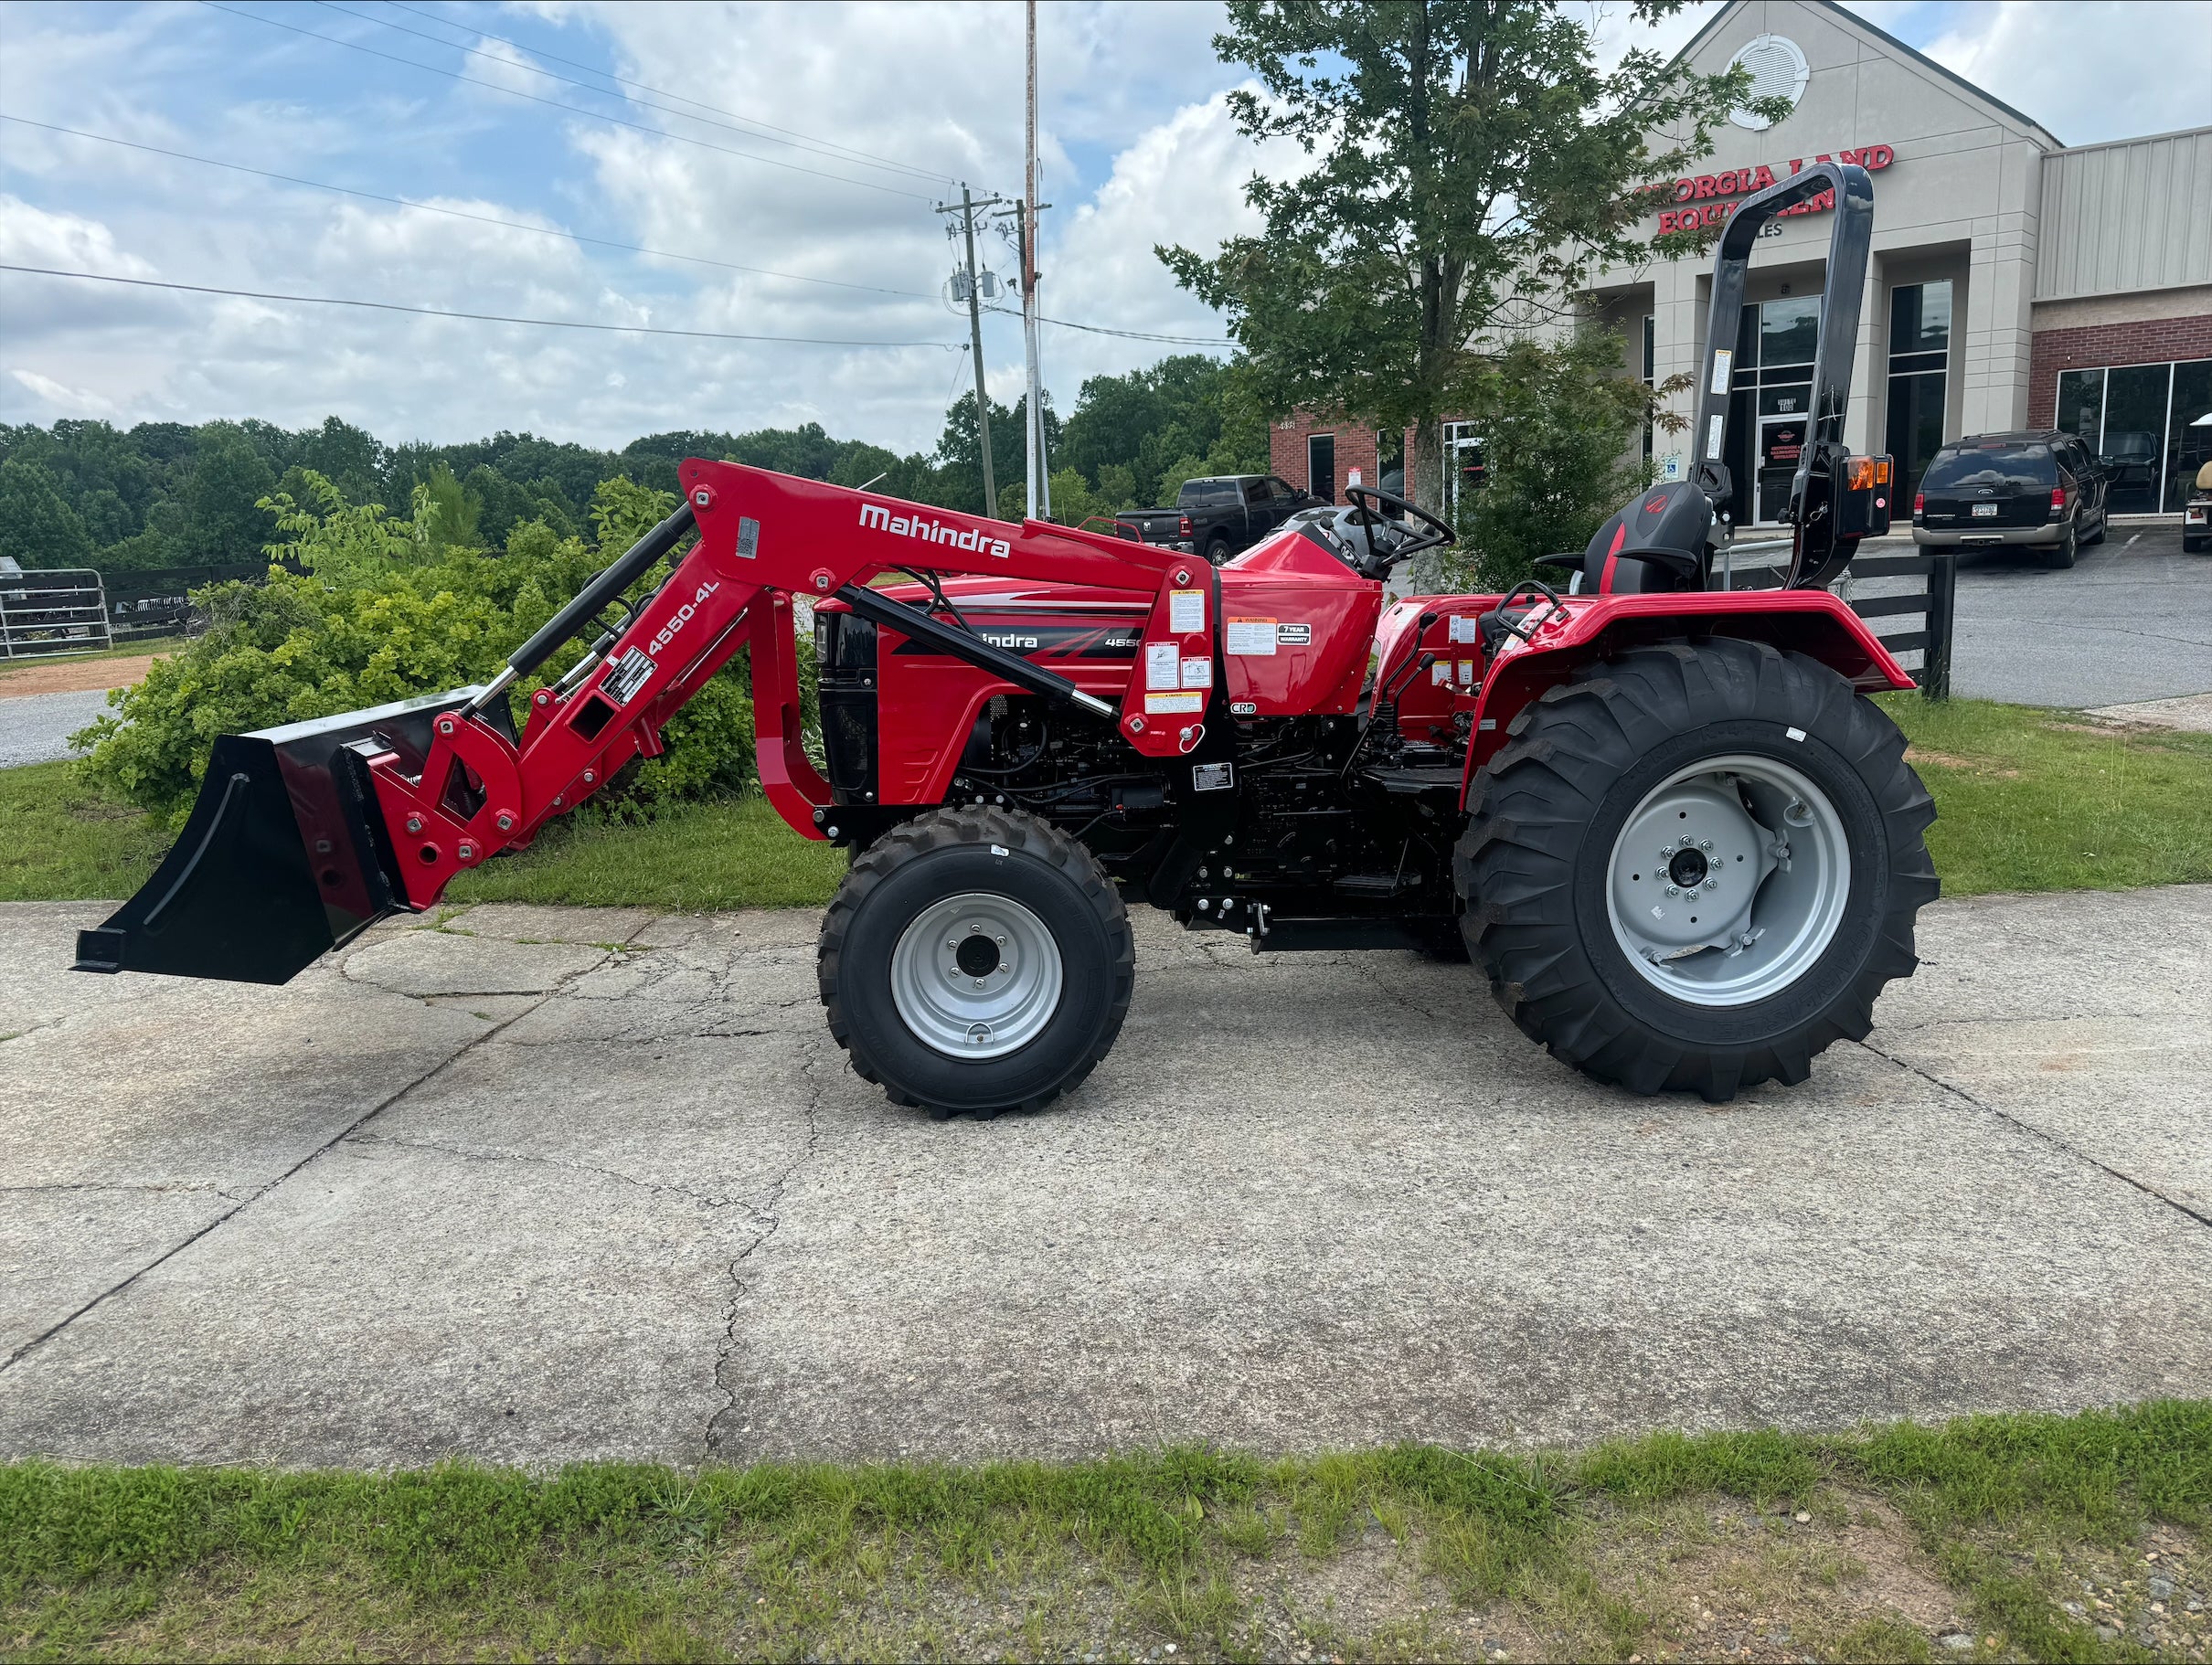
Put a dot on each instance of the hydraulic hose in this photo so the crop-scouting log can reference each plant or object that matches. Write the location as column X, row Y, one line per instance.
column 635, row 561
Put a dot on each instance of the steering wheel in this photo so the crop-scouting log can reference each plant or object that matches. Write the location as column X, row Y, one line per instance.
column 1378, row 564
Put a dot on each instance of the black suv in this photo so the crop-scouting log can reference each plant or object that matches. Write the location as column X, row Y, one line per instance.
column 2043, row 492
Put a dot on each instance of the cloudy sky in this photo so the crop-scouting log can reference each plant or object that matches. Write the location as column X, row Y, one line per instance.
column 762, row 170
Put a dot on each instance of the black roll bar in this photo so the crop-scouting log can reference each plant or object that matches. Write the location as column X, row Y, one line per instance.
column 1849, row 246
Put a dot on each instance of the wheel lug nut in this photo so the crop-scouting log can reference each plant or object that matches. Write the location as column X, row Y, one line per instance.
column 1704, row 844
column 1674, row 890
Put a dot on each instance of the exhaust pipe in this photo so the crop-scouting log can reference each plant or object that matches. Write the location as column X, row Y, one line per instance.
column 285, row 855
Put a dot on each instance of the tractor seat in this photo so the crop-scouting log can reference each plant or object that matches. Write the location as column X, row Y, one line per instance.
column 1657, row 543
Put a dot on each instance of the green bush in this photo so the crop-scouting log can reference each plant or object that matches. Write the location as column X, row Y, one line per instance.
column 382, row 610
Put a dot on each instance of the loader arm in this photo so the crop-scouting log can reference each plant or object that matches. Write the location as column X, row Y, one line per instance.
column 305, row 835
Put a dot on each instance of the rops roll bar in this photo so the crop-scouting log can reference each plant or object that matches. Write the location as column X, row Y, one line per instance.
column 1820, row 464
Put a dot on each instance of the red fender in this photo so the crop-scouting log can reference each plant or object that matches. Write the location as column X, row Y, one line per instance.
column 1808, row 622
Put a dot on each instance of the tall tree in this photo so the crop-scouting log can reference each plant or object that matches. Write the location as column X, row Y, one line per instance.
column 230, row 478
column 1473, row 168
column 37, row 528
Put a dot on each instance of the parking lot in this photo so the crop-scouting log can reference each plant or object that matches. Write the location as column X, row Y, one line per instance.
column 552, row 1185
column 2132, row 622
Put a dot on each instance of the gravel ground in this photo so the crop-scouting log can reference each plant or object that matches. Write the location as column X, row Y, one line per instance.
column 35, row 727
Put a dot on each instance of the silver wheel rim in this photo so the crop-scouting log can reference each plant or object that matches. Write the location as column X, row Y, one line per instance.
column 1729, row 880
column 975, row 976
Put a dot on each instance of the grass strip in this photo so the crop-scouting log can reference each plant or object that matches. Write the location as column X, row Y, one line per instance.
column 2027, row 800
column 1125, row 1556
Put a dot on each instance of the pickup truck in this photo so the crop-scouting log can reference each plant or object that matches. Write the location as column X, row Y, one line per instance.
column 1220, row 515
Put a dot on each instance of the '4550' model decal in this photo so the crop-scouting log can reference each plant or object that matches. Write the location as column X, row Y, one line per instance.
column 683, row 617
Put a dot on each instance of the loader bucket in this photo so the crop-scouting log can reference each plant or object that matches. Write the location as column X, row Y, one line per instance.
column 285, row 855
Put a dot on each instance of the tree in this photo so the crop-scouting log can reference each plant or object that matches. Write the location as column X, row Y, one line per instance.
column 1473, row 169
column 959, row 464
column 1557, row 418
column 37, row 528
column 350, row 458
column 229, row 480
column 1129, row 431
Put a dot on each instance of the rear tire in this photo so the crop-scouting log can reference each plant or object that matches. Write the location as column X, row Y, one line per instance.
column 2059, row 555
column 1217, row 549
column 1582, row 786
column 980, row 928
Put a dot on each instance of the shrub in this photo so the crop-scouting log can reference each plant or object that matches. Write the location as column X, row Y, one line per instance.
column 383, row 610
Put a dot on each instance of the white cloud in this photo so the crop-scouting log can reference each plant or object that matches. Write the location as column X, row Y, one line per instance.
column 68, row 243
column 64, row 400
column 1182, row 181
column 1138, row 148
column 2086, row 71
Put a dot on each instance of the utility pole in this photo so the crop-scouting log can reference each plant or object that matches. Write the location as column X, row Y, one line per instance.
column 966, row 210
column 1040, row 484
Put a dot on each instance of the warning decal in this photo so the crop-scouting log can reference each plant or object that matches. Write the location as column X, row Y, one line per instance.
column 1160, row 664
column 1186, row 611
column 1157, row 704
column 1251, row 636
column 1197, row 673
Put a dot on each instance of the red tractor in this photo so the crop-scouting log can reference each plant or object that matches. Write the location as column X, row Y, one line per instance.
column 1664, row 821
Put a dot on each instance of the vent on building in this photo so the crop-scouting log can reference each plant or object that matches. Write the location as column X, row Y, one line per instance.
column 1778, row 71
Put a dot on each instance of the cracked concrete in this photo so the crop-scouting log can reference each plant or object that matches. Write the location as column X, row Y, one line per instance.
column 542, row 1184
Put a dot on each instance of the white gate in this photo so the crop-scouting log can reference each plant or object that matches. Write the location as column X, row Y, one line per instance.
column 46, row 613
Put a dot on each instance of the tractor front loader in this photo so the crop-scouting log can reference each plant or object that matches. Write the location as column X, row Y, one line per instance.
column 1664, row 821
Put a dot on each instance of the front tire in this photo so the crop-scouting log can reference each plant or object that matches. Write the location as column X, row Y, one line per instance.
column 1701, row 972
column 975, row 959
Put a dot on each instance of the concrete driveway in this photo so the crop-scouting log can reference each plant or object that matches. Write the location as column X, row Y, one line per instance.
column 596, row 1184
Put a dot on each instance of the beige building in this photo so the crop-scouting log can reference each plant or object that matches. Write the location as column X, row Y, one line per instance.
column 2015, row 282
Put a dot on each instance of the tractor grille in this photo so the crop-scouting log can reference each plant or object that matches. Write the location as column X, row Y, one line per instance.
column 845, row 653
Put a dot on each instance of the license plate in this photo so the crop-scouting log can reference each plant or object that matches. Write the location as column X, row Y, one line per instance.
column 1985, row 511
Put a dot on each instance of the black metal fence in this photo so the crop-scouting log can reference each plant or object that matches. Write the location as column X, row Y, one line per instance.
column 155, row 601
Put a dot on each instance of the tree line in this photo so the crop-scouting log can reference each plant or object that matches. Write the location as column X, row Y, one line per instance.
column 160, row 495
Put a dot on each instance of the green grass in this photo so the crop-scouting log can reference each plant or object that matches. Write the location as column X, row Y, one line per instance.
column 2038, row 801
column 121, row 650
column 60, row 841
column 694, row 858
column 1591, row 1554
column 2028, row 801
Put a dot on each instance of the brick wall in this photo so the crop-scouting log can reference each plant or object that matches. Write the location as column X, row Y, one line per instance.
column 1356, row 448
column 2098, row 346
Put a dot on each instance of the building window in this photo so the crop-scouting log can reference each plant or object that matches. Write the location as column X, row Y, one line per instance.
column 1920, row 366
column 1651, row 366
column 1463, row 469
column 2150, row 423
column 1321, row 466
column 1769, row 409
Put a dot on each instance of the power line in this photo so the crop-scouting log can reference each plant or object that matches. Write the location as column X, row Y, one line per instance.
column 574, row 110
column 1096, row 329
column 622, row 80
column 432, row 312
column 566, row 80
column 486, row 220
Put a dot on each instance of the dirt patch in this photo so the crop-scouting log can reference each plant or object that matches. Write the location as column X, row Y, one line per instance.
column 1717, row 1579
column 1917, row 754
column 74, row 676
column 2157, row 1593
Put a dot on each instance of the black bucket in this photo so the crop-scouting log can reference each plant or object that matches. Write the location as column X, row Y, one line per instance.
column 285, row 855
